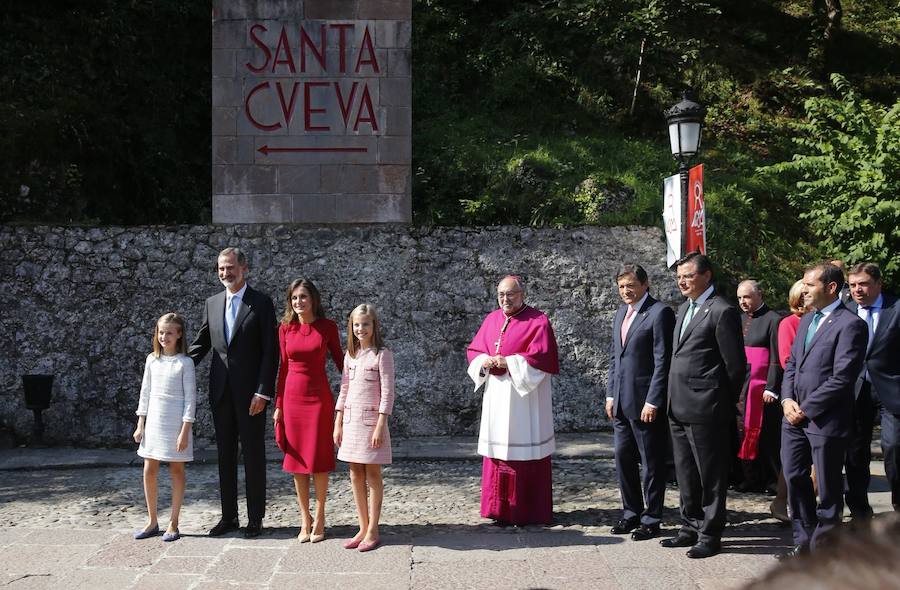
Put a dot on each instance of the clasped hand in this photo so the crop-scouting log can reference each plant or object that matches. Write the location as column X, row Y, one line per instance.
column 792, row 412
column 495, row 362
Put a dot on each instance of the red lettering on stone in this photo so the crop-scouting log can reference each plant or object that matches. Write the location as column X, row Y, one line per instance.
column 345, row 107
column 247, row 112
column 306, row 41
column 342, row 44
column 366, row 103
column 284, row 45
column 366, row 46
column 308, row 110
column 287, row 109
column 259, row 43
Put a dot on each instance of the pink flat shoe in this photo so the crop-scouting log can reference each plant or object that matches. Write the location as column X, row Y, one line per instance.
column 369, row 546
column 351, row 543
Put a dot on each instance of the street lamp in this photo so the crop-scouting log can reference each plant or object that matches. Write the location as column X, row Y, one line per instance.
column 685, row 122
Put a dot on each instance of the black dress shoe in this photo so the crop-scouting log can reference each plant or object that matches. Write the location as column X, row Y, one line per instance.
column 704, row 549
column 253, row 529
column 682, row 539
column 226, row 525
column 645, row 531
column 795, row 551
column 625, row 526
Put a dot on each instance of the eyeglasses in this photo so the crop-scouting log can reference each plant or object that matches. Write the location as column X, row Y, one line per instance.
column 507, row 294
column 687, row 276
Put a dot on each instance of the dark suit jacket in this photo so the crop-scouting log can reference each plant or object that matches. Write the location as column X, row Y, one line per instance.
column 247, row 364
column 639, row 370
column 822, row 378
column 883, row 359
column 708, row 365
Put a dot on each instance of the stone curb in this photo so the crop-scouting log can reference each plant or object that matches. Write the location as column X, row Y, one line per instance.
column 570, row 446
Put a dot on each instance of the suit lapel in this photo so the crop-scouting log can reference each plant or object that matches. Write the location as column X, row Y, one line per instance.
column 243, row 311
column 639, row 317
column 699, row 316
column 617, row 328
column 217, row 321
column 823, row 328
column 888, row 310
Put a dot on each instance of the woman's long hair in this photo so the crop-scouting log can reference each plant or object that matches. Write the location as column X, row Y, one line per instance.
column 290, row 316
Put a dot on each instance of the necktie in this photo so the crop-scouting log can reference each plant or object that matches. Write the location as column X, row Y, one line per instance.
column 230, row 316
column 817, row 317
column 626, row 323
column 687, row 318
column 870, row 321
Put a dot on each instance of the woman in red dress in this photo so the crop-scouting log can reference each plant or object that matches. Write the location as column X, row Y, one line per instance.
column 304, row 405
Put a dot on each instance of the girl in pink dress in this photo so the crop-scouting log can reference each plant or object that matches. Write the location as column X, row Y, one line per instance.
column 361, row 422
column 304, row 405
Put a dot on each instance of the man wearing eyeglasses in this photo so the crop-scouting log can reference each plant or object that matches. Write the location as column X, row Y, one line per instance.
column 513, row 355
column 705, row 379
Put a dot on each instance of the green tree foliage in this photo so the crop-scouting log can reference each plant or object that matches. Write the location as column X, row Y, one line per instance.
column 104, row 107
column 846, row 177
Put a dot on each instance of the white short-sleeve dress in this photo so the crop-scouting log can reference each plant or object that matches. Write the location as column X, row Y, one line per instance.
column 168, row 398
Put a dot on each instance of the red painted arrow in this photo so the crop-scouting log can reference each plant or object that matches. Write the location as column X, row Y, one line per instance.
column 265, row 150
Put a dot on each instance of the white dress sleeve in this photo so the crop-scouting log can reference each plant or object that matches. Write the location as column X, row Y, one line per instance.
column 525, row 378
column 189, row 384
column 475, row 372
column 144, row 401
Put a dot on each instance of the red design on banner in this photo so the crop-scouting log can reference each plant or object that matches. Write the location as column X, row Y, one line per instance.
column 696, row 236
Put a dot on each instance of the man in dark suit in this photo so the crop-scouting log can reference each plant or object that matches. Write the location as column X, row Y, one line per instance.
column 817, row 399
column 705, row 378
column 877, row 390
column 239, row 326
column 636, row 401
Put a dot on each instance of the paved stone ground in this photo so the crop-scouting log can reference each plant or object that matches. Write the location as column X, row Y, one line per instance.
column 66, row 524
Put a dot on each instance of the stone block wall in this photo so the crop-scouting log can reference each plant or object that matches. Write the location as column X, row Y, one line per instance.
column 81, row 303
column 311, row 111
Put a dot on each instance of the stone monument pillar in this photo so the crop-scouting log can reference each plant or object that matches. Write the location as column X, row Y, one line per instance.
column 311, row 111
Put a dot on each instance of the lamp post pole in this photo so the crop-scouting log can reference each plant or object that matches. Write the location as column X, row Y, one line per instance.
column 685, row 123
column 684, row 171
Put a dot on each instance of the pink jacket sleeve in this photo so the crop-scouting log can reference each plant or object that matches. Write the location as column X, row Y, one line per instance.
column 345, row 385
column 386, row 370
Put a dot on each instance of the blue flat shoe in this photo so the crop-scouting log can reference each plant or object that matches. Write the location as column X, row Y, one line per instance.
column 172, row 536
column 138, row 535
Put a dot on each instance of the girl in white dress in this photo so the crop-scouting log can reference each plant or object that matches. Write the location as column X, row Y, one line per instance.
column 165, row 414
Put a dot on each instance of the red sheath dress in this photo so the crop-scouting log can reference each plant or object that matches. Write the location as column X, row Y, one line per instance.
column 304, row 394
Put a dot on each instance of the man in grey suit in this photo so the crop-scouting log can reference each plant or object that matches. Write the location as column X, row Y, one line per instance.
column 705, row 378
column 817, row 399
column 239, row 326
column 636, row 401
column 877, row 390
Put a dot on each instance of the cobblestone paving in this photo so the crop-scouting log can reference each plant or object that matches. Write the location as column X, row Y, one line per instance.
column 417, row 493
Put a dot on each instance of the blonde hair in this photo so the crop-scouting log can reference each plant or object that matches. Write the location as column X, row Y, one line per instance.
column 795, row 298
column 353, row 344
column 170, row 318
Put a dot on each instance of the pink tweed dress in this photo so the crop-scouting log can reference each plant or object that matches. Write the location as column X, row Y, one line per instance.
column 367, row 389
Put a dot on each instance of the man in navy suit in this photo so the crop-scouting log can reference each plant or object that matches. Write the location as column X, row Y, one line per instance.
column 636, row 401
column 877, row 390
column 817, row 399
column 705, row 378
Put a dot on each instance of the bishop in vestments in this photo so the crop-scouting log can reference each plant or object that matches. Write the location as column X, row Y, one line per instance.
column 513, row 355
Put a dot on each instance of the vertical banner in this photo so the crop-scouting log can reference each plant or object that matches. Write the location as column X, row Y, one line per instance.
column 672, row 218
column 696, row 233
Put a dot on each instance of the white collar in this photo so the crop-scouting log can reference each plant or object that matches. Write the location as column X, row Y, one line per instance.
column 637, row 306
column 830, row 307
column 240, row 293
column 703, row 296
